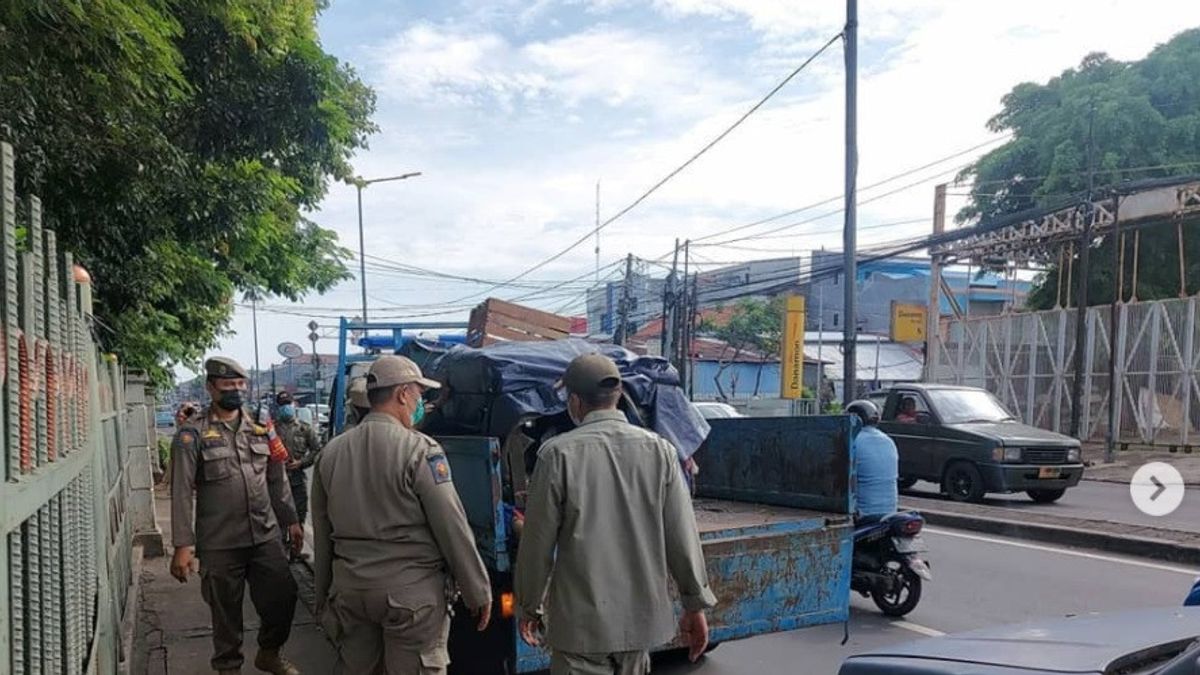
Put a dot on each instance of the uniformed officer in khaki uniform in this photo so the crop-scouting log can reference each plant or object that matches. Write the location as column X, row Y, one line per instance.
column 391, row 536
column 229, row 500
column 302, row 445
column 359, row 406
column 610, row 498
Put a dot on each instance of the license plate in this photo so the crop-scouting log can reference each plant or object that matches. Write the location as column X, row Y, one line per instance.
column 913, row 544
column 1048, row 472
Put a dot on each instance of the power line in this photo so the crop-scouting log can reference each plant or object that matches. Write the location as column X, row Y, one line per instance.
column 904, row 174
column 764, row 234
column 708, row 146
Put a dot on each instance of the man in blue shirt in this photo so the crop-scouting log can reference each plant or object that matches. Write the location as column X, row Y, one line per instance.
column 876, row 462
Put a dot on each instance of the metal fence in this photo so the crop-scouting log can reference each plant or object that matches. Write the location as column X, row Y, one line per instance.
column 66, row 551
column 1027, row 360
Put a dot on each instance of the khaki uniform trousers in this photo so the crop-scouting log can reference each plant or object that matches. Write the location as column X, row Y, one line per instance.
column 382, row 632
column 224, row 575
column 617, row 663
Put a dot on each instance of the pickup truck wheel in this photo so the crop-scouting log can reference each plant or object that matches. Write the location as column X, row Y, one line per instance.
column 963, row 482
column 1045, row 496
column 906, row 483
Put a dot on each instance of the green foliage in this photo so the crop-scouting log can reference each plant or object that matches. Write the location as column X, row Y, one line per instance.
column 176, row 147
column 753, row 325
column 1137, row 115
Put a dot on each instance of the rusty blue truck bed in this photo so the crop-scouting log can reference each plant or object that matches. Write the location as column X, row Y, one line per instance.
column 773, row 506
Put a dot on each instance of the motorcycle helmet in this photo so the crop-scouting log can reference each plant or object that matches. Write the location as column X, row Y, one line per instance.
column 867, row 411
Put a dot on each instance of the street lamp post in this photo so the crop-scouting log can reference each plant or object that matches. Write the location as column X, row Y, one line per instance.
column 359, row 183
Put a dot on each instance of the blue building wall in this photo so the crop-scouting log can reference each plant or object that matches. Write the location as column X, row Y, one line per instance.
column 737, row 380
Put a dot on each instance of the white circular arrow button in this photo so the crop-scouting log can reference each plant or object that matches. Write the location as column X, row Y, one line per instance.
column 1156, row 489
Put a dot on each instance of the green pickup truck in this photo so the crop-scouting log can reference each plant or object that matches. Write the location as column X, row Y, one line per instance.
column 963, row 439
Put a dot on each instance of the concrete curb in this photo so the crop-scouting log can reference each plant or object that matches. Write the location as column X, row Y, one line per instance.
column 1142, row 547
column 132, row 609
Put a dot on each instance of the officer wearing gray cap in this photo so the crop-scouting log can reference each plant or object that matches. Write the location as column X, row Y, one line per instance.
column 604, row 540
column 391, row 536
column 221, row 459
column 302, row 445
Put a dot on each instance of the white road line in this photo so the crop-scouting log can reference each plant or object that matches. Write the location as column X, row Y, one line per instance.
column 1066, row 551
column 918, row 628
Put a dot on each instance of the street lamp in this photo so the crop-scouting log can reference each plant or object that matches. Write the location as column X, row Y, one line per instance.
column 359, row 182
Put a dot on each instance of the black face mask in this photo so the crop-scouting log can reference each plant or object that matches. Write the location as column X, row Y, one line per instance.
column 230, row 399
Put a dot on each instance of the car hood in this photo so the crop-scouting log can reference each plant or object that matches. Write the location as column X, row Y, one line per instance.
column 1016, row 433
column 1089, row 643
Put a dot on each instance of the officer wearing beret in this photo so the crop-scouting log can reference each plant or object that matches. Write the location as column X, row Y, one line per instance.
column 229, row 499
column 390, row 535
column 608, row 518
column 302, row 445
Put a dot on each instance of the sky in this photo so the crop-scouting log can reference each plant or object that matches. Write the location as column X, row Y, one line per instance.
column 514, row 111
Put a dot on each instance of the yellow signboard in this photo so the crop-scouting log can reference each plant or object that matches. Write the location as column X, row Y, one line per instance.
column 908, row 322
column 792, row 359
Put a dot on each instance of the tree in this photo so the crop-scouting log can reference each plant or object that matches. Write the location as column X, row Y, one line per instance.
column 177, row 147
column 1142, row 119
column 753, row 325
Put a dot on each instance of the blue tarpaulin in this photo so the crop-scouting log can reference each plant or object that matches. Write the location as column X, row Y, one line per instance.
column 490, row 390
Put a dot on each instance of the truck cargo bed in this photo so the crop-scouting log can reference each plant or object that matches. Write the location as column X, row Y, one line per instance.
column 720, row 515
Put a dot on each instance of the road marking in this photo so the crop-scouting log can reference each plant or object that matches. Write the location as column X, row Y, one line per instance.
column 918, row 628
column 1066, row 551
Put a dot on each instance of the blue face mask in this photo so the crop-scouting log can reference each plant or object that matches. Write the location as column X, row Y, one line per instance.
column 287, row 411
column 418, row 412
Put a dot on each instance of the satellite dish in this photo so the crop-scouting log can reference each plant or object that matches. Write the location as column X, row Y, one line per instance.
column 290, row 350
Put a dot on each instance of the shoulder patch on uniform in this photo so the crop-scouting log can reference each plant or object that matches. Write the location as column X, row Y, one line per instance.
column 440, row 468
column 186, row 437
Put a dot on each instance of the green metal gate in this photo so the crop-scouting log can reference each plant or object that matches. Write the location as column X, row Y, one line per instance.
column 65, row 556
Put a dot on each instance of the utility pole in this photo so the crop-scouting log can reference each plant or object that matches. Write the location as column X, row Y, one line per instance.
column 316, row 361
column 597, row 232
column 693, row 306
column 254, row 319
column 849, row 231
column 619, row 335
column 685, row 319
column 933, row 310
column 1081, row 295
column 670, row 311
column 360, row 183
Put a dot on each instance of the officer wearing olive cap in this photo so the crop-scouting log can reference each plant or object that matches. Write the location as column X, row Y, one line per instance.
column 229, row 499
column 391, row 536
column 302, row 445
column 608, row 516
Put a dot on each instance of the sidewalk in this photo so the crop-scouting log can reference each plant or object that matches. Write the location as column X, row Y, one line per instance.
column 174, row 633
column 1128, row 461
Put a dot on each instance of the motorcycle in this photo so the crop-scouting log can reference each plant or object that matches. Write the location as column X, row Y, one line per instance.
column 887, row 565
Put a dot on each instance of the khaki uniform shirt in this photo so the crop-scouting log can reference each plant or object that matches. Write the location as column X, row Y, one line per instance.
column 609, row 518
column 225, row 491
column 386, row 516
column 302, row 445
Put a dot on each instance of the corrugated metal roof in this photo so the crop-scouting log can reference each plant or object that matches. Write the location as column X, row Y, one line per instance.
column 896, row 362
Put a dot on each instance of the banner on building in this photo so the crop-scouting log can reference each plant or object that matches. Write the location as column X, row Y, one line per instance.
column 792, row 349
column 908, row 322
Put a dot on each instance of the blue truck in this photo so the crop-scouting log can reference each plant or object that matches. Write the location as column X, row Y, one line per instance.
column 773, row 496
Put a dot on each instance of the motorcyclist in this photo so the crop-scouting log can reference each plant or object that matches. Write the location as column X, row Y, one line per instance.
column 876, row 463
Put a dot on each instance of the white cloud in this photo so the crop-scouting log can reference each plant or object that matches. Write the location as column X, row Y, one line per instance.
column 502, row 191
column 611, row 66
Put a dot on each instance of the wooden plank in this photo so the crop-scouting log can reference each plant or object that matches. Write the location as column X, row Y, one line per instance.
column 537, row 317
column 530, row 329
column 509, row 335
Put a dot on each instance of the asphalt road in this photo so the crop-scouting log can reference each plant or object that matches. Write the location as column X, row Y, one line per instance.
column 1093, row 500
column 979, row 581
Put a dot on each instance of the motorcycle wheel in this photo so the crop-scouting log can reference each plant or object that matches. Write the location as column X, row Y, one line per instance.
column 902, row 599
